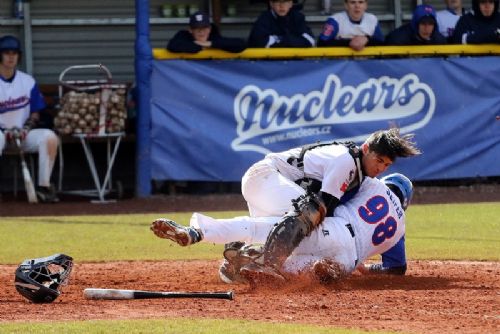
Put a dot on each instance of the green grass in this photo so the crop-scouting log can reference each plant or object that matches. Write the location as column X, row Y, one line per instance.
column 442, row 232
column 97, row 238
column 454, row 232
column 181, row 325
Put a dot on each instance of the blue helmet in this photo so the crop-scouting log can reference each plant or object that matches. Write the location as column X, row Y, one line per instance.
column 401, row 186
column 10, row 43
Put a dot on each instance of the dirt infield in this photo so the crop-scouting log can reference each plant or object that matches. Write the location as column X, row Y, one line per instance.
column 434, row 297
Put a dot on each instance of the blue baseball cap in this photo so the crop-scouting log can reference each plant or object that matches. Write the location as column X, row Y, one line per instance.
column 10, row 43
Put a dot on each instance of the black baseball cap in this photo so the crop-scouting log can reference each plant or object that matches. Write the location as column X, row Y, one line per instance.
column 199, row 20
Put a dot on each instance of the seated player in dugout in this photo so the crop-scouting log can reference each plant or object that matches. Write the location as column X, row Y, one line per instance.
column 282, row 25
column 353, row 27
column 480, row 26
column 371, row 223
column 422, row 30
column 20, row 105
column 203, row 35
column 447, row 18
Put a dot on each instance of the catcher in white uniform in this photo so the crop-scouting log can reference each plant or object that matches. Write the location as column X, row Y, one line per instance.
column 20, row 102
column 328, row 169
column 372, row 222
column 316, row 177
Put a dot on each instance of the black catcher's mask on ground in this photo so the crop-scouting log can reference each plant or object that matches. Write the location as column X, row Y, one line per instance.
column 39, row 280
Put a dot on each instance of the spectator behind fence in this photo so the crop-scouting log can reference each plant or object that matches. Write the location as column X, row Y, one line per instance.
column 481, row 26
column 202, row 35
column 422, row 30
column 281, row 26
column 447, row 18
column 353, row 27
column 20, row 104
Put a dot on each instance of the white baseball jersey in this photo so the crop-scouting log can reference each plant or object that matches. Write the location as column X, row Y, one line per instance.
column 372, row 222
column 269, row 185
column 18, row 98
column 348, row 30
column 446, row 20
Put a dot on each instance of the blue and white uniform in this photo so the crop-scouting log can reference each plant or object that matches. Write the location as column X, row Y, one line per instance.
column 340, row 27
column 370, row 223
column 447, row 20
column 19, row 97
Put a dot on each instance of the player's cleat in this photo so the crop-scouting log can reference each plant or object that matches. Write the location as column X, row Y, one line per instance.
column 236, row 255
column 255, row 272
column 327, row 271
column 168, row 229
column 47, row 194
column 228, row 273
column 232, row 251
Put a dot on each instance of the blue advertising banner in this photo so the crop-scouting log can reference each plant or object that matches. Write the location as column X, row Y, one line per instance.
column 212, row 119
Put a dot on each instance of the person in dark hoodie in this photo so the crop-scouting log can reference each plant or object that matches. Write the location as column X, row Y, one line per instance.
column 422, row 30
column 281, row 26
column 202, row 35
column 481, row 26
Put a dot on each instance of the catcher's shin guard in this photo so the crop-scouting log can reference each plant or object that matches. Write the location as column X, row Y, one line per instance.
column 286, row 235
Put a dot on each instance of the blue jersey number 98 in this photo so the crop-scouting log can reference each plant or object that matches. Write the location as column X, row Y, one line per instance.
column 374, row 211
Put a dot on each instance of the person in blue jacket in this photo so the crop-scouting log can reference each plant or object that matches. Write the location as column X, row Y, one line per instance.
column 480, row 26
column 202, row 35
column 282, row 26
column 422, row 30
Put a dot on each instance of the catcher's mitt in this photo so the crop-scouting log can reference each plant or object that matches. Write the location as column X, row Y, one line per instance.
column 309, row 208
column 39, row 280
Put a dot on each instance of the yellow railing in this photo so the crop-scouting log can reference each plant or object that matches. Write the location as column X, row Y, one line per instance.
column 333, row 52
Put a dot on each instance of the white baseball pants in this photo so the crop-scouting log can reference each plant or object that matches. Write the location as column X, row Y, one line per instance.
column 45, row 142
column 332, row 239
column 267, row 192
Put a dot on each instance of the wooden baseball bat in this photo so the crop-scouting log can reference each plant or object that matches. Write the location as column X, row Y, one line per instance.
column 28, row 181
column 117, row 294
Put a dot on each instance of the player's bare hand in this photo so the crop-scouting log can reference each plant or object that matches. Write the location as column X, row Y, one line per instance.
column 362, row 269
column 358, row 43
column 15, row 133
column 22, row 134
column 204, row 44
